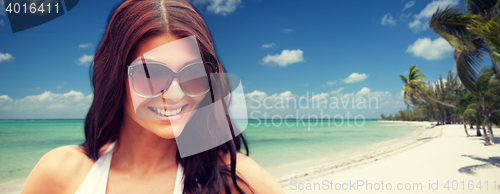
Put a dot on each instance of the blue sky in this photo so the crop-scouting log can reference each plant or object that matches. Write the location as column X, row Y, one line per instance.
column 293, row 48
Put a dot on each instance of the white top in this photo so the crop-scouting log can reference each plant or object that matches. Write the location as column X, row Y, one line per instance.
column 97, row 179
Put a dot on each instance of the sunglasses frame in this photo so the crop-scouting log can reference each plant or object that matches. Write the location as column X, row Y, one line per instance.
column 174, row 75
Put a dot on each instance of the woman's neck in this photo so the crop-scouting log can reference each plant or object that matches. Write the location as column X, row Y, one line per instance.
column 142, row 150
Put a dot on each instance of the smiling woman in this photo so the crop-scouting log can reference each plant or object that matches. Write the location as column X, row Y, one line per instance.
column 154, row 94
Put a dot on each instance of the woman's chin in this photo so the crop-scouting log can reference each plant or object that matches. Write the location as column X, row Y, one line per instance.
column 167, row 132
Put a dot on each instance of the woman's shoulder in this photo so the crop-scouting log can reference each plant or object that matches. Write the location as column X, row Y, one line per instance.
column 60, row 170
column 253, row 174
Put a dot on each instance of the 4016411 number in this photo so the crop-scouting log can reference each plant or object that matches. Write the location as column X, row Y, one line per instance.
column 31, row 8
column 470, row 185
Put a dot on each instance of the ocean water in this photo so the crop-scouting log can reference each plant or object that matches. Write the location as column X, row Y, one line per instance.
column 280, row 149
column 23, row 143
column 277, row 148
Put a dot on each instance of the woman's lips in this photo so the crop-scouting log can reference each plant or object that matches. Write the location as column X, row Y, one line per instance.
column 168, row 114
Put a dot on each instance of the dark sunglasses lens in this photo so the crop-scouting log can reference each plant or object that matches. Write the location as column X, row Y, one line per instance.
column 150, row 79
column 194, row 79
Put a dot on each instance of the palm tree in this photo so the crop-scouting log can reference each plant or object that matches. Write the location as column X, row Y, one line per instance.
column 414, row 88
column 446, row 90
column 485, row 19
column 470, row 113
column 463, row 103
column 473, row 112
column 471, row 33
column 486, row 90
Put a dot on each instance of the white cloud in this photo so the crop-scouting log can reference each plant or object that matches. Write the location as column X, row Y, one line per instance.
column 2, row 23
column 417, row 25
column 59, row 87
column 363, row 91
column 85, row 60
column 283, row 95
column 287, row 57
column 404, row 16
column 320, row 100
column 409, row 4
column 259, row 99
column 288, row 30
column 85, row 45
column 258, row 95
column 355, row 78
column 286, row 94
column 433, row 6
column 6, row 57
column 220, row 7
column 46, row 106
column 431, row 49
column 331, row 83
column 318, row 97
column 5, row 98
column 337, row 90
column 268, row 45
column 388, row 20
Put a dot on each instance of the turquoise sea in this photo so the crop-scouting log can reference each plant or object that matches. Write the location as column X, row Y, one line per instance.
column 277, row 148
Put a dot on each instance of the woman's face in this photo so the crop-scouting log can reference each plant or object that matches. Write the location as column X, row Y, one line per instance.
column 180, row 107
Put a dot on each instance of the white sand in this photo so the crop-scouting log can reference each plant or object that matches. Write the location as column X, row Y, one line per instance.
column 12, row 187
column 439, row 155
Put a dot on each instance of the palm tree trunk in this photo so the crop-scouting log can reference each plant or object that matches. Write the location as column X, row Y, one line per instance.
column 437, row 101
column 437, row 117
column 486, row 114
column 478, row 129
column 486, row 138
column 465, row 127
column 492, row 137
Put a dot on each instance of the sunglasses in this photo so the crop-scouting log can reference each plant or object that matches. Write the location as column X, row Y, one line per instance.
column 152, row 79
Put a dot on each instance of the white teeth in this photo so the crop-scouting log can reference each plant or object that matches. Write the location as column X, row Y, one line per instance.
column 162, row 111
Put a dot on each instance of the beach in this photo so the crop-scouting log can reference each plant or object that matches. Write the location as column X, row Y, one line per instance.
column 420, row 155
column 439, row 160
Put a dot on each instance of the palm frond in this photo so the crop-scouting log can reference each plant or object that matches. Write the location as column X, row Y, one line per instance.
column 494, row 85
column 451, row 24
column 481, row 7
column 470, row 112
column 489, row 30
column 495, row 118
column 468, row 65
column 403, row 78
column 483, row 80
column 414, row 73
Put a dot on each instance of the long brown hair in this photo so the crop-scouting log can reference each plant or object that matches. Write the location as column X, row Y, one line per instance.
column 130, row 22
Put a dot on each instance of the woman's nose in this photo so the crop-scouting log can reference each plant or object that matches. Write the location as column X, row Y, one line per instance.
column 174, row 93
